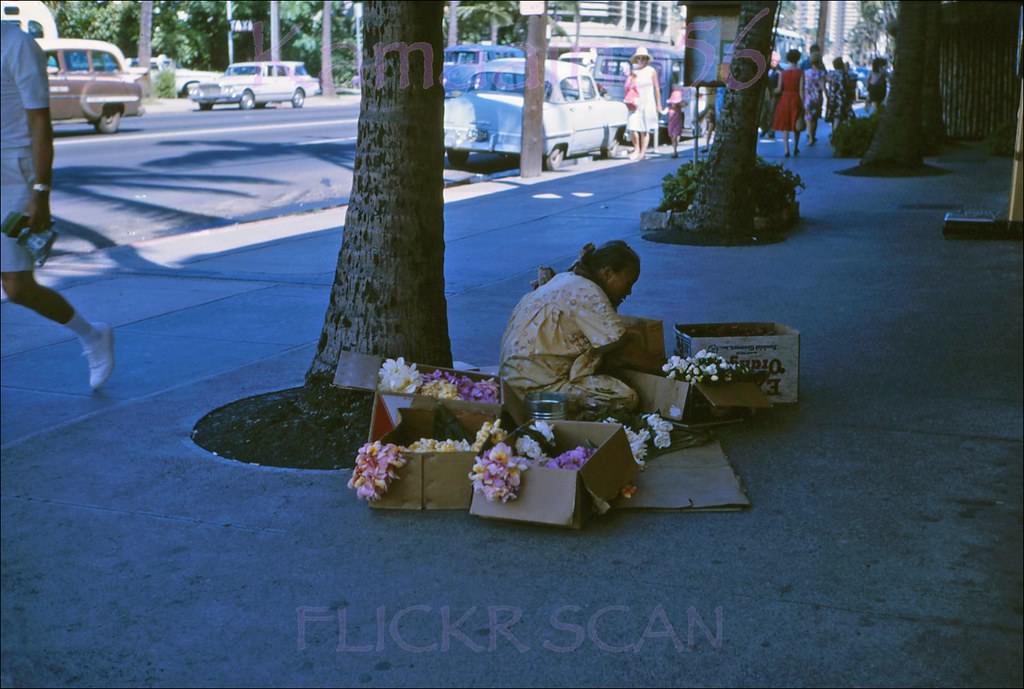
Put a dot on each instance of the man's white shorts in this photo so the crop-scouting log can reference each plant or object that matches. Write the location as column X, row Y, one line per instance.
column 15, row 188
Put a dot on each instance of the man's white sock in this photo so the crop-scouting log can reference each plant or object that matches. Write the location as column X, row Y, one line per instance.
column 82, row 328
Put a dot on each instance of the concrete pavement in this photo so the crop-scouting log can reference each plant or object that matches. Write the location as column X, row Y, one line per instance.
column 883, row 548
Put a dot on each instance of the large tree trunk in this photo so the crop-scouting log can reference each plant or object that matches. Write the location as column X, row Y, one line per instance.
column 576, row 19
column 145, row 33
column 326, row 61
column 897, row 143
column 388, row 293
column 494, row 31
column 275, row 30
column 723, row 209
column 453, row 22
column 933, row 131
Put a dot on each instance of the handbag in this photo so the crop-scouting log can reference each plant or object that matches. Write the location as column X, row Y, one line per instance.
column 632, row 97
column 801, row 123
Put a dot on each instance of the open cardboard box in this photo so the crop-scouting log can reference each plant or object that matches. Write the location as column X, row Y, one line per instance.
column 430, row 480
column 563, row 497
column 701, row 403
column 359, row 371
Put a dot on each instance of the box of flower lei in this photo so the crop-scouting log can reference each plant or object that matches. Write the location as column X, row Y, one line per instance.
column 424, row 462
column 420, row 386
column 695, row 403
column 566, row 496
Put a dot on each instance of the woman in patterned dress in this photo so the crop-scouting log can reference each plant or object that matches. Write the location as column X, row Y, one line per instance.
column 814, row 96
column 563, row 336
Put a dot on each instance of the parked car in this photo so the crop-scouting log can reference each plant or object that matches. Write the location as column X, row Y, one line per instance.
column 462, row 61
column 488, row 117
column 254, row 84
column 89, row 81
column 184, row 79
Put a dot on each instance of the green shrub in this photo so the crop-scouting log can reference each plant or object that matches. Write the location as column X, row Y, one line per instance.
column 774, row 187
column 1000, row 141
column 852, row 138
column 163, row 85
column 678, row 190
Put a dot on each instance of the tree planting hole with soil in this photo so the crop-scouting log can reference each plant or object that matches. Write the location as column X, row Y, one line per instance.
column 298, row 428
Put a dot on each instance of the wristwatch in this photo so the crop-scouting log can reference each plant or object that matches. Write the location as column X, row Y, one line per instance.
column 41, row 188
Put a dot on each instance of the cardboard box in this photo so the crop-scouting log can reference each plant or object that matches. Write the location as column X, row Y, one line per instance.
column 563, row 497
column 770, row 347
column 701, row 403
column 359, row 371
column 430, row 480
column 652, row 334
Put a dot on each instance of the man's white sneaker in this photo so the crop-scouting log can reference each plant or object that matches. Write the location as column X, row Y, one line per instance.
column 100, row 353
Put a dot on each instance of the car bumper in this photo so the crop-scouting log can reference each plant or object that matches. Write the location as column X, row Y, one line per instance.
column 213, row 100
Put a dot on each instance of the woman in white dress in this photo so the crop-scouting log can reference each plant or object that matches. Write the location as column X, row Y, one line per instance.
column 644, row 117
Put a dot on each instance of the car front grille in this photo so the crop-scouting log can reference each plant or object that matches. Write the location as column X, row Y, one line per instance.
column 208, row 90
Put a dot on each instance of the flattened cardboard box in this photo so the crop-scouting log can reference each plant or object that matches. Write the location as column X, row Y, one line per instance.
column 770, row 347
column 430, row 480
column 359, row 371
column 692, row 479
column 562, row 497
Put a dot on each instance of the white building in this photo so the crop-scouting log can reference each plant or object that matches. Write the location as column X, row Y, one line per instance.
column 650, row 22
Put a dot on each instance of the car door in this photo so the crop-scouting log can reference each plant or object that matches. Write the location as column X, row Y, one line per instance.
column 591, row 115
column 109, row 85
column 63, row 105
column 572, row 113
column 283, row 85
column 77, row 77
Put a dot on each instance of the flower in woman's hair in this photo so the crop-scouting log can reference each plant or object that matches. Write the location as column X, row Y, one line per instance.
column 397, row 376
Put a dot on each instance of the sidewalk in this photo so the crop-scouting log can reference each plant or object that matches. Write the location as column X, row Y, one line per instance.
column 160, row 106
column 883, row 548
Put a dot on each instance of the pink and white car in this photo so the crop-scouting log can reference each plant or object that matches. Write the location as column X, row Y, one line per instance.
column 254, row 84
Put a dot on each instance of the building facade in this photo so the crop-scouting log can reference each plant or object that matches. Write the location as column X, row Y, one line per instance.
column 640, row 22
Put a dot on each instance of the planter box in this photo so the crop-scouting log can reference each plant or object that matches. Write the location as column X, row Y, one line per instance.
column 654, row 220
column 770, row 347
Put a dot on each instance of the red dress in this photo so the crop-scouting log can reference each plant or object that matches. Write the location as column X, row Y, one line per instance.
column 788, row 109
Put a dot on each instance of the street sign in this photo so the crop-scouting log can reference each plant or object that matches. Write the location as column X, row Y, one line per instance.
column 241, row 25
column 531, row 9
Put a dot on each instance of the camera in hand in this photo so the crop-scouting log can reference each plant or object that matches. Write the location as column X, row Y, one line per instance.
column 38, row 244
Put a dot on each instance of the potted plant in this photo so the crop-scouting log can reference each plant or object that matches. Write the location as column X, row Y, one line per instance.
column 677, row 193
column 774, row 188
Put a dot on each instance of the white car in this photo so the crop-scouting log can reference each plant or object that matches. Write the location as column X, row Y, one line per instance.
column 254, row 84
column 487, row 118
column 184, row 79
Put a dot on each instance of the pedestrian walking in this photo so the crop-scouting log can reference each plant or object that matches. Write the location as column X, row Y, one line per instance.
column 813, row 97
column 676, row 118
column 878, row 86
column 788, row 112
column 840, row 92
column 644, row 117
column 26, row 151
column 769, row 100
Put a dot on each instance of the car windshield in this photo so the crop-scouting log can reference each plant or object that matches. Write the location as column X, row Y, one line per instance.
column 242, row 70
column 505, row 82
column 460, row 57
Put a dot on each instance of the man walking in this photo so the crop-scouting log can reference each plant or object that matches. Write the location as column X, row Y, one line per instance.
column 26, row 151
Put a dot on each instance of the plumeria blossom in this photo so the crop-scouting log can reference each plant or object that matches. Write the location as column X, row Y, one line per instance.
column 490, row 432
column 397, row 376
column 638, row 441
column 573, row 459
column 703, row 367
column 430, row 445
column 463, row 387
column 528, row 447
column 439, row 389
column 662, row 430
column 497, row 474
column 545, row 429
column 376, row 467
column 629, row 491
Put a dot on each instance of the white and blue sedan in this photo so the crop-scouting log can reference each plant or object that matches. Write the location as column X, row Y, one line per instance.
column 488, row 117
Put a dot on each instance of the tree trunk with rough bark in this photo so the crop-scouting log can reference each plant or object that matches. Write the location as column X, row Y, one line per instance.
column 388, row 294
column 723, row 209
column 326, row 51
column 453, row 22
column 933, row 131
column 145, row 33
column 494, row 31
column 897, row 143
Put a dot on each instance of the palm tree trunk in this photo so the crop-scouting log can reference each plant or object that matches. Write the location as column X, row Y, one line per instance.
column 723, row 209
column 388, row 293
column 145, row 33
column 576, row 18
column 933, row 131
column 453, row 22
column 897, row 142
column 494, row 31
column 326, row 61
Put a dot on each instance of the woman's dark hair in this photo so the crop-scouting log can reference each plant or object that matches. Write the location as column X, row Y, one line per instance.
column 793, row 55
column 616, row 255
column 838, row 63
column 878, row 64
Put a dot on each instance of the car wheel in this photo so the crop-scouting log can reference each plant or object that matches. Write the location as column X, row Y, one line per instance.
column 457, row 158
column 298, row 98
column 553, row 160
column 206, row 106
column 247, row 101
column 108, row 122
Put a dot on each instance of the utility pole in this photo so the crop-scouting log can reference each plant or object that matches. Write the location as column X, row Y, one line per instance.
column 231, row 36
column 531, row 156
column 357, row 15
column 275, row 30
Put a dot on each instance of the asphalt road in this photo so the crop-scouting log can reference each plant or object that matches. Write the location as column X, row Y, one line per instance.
column 168, row 173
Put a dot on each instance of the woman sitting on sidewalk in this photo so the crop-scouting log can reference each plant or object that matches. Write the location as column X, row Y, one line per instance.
column 565, row 333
